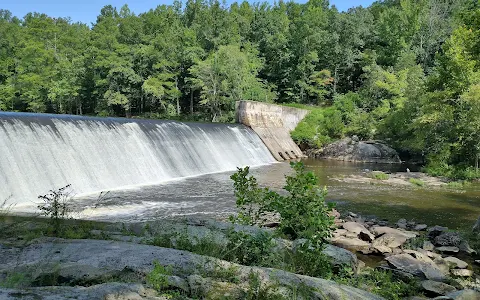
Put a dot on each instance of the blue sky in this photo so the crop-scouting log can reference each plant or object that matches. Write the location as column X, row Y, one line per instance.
column 86, row 11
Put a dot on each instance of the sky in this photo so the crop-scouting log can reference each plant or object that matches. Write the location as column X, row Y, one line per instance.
column 86, row 11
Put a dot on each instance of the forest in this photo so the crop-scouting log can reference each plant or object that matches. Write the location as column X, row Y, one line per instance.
column 403, row 71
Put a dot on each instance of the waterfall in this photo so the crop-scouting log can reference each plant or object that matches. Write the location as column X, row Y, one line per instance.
column 39, row 152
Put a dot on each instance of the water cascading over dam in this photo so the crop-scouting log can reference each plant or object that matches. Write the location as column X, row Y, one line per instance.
column 39, row 152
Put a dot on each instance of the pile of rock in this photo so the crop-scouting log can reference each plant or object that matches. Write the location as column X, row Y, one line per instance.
column 410, row 250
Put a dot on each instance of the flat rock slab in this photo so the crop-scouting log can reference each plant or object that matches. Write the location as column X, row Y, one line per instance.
column 462, row 273
column 456, row 263
column 409, row 264
column 437, row 288
column 464, row 295
column 390, row 240
column 107, row 291
column 354, row 244
column 379, row 230
column 359, row 230
column 448, row 249
column 78, row 259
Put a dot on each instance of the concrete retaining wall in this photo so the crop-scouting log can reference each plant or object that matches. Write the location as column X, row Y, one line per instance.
column 273, row 124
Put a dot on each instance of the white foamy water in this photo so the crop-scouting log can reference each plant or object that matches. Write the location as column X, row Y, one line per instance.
column 39, row 152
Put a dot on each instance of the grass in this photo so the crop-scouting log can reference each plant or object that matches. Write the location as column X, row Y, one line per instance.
column 379, row 282
column 417, row 182
column 378, row 175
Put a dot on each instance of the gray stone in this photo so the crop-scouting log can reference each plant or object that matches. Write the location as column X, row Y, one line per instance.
column 465, row 247
column 442, row 264
column 367, row 151
column 448, row 249
column 435, row 231
column 462, row 272
column 420, row 256
column 476, row 226
column 448, row 239
column 341, row 257
column 456, row 263
column 106, row 291
column 464, row 295
column 353, row 244
column 428, row 246
column 379, row 230
column 112, row 257
column 437, row 288
column 420, row 227
column 359, row 230
column 409, row 264
column 390, row 240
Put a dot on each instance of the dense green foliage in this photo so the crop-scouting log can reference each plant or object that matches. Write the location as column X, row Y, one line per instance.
column 405, row 71
column 303, row 211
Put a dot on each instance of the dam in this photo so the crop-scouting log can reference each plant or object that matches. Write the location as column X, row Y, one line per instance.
column 40, row 152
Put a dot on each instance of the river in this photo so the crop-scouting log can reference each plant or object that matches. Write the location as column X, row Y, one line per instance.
column 212, row 196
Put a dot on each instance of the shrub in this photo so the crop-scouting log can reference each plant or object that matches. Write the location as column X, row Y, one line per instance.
column 250, row 249
column 158, row 277
column 303, row 211
column 417, row 182
column 56, row 206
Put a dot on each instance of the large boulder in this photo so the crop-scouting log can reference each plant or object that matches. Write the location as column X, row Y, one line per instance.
column 109, row 259
column 448, row 239
column 359, row 230
column 437, row 288
column 351, row 149
column 411, row 265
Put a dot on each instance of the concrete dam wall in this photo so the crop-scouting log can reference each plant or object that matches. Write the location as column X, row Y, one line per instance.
column 273, row 124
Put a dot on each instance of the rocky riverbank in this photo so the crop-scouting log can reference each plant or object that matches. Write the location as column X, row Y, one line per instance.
column 415, row 179
column 149, row 261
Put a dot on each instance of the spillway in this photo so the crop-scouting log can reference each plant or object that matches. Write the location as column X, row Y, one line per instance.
column 39, row 152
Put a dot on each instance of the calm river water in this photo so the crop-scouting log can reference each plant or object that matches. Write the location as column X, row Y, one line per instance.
column 212, row 196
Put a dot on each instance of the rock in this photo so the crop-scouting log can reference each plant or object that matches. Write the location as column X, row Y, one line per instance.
column 360, row 230
column 435, row 231
column 379, row 230
column 382, row 249
column 442, row 264
column 420, row 256
column 465, row 247
column 368, row 151
column 448, row 249
column 477, row 261
column 429, row 253
column 382, row 223
column 390, row 240
column 437, row 288
column 402, row 223
column 476, row 226
column 106, row 291
column 339, row 232
column 462, row 272
column 178, row 283
column 448, row 239
column 407, row 263
column 353, row 244
column 110, row 258
column 351, row 214
column 428, row 246
column 341, row 257
column 456, row 263
column 420, row 227
column 464, row 295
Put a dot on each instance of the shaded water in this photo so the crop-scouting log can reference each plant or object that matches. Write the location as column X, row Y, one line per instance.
column 212, row 195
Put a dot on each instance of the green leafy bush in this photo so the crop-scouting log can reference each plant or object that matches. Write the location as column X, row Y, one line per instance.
column 303, row 210
column 158, row 277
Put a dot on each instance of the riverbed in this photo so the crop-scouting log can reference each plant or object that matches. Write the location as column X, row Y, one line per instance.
column 211, row 195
